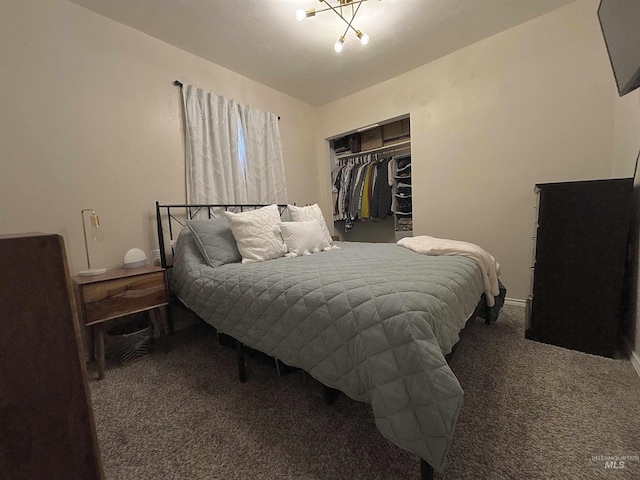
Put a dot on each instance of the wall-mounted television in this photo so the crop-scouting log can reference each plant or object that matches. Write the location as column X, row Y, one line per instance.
column 620, row 23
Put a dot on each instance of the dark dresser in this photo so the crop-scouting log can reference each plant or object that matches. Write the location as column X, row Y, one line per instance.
column 47, row 427
column 579, row 257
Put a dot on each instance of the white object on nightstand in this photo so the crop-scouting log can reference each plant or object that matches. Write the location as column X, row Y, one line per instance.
column 92, row 271
column 135, row 258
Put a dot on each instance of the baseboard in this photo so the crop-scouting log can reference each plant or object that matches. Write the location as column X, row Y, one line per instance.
column 634, row 357
column 516, row 302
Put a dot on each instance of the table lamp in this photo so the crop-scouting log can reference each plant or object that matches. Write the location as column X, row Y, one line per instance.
column 96, row 235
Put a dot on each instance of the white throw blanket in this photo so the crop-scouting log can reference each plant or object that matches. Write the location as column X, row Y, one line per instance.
column 441, row 246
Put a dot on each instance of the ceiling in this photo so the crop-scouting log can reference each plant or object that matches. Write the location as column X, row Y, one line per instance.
column 262, row 40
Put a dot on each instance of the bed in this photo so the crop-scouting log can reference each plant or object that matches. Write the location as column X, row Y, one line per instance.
column 374, row 321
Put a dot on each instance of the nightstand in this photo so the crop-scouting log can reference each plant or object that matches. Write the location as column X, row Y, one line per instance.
column 117, row 293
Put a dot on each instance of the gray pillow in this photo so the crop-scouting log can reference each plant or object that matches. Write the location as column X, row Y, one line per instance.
column 215, row 241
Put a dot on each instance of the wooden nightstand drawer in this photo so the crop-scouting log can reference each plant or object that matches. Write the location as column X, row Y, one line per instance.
column 122, row 287
column 117, row 297
column 120, row 305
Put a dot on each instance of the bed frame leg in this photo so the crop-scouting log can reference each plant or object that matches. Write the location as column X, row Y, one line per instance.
column 426, row 470
column 170, row 319
column 278, row 367
column 487, row 314
column 242, row 371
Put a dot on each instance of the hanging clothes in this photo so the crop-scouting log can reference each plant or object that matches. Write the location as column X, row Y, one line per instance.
column 362, row 190
column 381, row 197
column 355, row 203
column 366, row 193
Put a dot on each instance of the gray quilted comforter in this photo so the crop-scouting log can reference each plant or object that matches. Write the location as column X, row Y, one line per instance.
column 372, row 320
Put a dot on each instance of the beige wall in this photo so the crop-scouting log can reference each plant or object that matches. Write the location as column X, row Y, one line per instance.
column 89, row 118
column 532, row 104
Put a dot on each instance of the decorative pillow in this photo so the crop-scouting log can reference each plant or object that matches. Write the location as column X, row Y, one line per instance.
column 215, row 241
column 257, row 233
column 303, row 238
column 305, row 214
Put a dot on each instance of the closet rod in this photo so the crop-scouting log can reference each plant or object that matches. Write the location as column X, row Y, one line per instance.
column 178, row 83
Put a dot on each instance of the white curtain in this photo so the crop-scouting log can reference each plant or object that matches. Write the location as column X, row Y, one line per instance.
column 234, row 154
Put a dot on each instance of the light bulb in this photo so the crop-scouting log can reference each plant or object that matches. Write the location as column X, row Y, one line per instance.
column 96, row 231
column 338, row 45
column 96, row 234
column 364, row 38
column 300, row 14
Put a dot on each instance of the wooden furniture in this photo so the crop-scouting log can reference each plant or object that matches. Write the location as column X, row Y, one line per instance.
column 579, row 258
column 47, row 427
column 118, row 293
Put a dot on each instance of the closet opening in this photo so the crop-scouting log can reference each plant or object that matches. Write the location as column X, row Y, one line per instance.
column 371, row 182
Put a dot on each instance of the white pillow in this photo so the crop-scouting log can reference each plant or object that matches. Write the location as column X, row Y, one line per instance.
column 305, row 214
column 303, row 238
column 257, row 233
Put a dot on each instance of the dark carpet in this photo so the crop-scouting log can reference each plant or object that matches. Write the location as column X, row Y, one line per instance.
column 531, row 411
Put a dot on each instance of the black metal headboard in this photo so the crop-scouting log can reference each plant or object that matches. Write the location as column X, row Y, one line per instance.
column 174, row 218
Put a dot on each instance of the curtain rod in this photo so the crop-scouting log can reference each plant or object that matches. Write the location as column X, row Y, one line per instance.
column 178, row 83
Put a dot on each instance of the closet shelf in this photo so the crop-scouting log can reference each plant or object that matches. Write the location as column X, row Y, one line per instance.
column 404, row 145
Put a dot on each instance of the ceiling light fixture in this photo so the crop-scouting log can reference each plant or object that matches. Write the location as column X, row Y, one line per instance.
column 344, row 9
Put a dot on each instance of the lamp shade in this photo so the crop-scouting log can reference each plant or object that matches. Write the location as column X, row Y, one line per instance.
column 135, row 258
